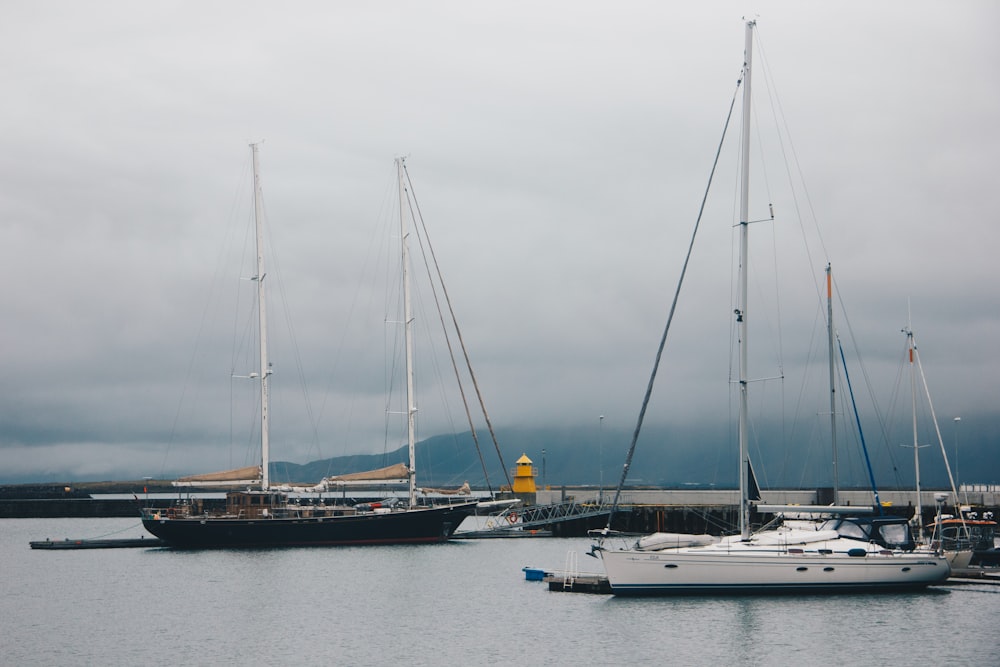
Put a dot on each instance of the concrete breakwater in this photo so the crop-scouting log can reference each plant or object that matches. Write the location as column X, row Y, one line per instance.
column 54, row 501
column 56, row 508
column 639, row 511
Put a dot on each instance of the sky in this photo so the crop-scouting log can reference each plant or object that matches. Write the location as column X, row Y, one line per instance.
column 559, row 152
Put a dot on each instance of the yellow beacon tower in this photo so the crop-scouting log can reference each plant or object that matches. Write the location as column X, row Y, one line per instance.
column 524, row 478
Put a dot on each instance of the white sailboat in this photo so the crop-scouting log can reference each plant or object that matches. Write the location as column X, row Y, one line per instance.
column 844, row 553
column 262, row 515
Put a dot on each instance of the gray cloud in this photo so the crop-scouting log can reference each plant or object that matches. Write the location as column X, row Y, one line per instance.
column 559, row 153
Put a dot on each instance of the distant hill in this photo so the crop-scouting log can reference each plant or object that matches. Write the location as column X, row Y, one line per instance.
column 665, row 456
column 670, row 456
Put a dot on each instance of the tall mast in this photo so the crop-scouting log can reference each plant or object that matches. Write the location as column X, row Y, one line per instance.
column 411, row 409
column 911, row 348
column 741, row 310
column 833, row 384
column 265, row 369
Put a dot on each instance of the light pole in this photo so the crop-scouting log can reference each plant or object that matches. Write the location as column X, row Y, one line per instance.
column 600, row 458
column 957, row 421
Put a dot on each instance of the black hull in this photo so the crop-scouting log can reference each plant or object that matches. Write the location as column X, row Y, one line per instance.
column 987, row 557
column 434, row 524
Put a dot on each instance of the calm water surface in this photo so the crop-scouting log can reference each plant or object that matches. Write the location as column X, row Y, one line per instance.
column 461, row 603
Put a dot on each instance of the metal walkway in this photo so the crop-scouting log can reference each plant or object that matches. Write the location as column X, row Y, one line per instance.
column 515, row 521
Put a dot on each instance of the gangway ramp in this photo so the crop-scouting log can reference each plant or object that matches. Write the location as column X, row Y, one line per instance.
column 536, row 520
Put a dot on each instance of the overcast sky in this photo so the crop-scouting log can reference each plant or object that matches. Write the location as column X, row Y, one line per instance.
column 559, row 152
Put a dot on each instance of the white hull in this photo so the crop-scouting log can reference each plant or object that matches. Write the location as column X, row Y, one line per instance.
column 737, row 567
column 959, row 560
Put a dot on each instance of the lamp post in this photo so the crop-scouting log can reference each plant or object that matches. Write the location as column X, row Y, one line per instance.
column 600, row 459
column 544, row 485
column 957, row 421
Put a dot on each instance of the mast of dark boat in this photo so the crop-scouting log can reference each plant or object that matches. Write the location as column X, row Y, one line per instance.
column 411, row 409
column 741, row 310
column 265, row 369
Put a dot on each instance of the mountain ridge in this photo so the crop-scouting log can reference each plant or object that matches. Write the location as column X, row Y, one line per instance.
column 665, row 457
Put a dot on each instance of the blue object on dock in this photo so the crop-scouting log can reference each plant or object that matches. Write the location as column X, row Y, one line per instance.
column 533, row 574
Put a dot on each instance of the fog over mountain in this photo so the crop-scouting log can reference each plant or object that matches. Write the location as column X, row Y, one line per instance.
column 559, row 152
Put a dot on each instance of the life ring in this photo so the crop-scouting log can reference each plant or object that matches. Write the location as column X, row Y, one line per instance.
column 512, row 517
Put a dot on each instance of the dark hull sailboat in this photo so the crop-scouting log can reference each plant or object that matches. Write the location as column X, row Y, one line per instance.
column 305, row 525
column 262, row 515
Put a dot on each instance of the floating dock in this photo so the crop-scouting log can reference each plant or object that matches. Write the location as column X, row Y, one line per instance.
column 502, row 533
column 68, row 544
column 974, row 575
column 569, row 582
column 579, row 583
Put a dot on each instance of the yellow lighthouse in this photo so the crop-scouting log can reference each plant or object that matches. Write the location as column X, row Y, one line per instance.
column 524, row 479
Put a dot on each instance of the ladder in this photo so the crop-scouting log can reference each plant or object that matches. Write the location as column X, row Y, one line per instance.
column 571, row 569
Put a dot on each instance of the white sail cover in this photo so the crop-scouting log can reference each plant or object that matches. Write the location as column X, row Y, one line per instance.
column 394, row 473
column 237, row 477
column 658, row 541
column 464, row 490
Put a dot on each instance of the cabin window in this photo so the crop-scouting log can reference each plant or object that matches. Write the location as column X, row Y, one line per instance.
column 852, row 531
column 894, row 533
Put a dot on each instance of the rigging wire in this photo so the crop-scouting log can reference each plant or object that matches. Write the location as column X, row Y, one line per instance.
column 375, row 238
column 871, row 475
column 239, row 190
column 670, row 316
column 458, row 334
column 785, row 134
column 432, row 351
column 884, row 428
column 392, row 346
column 289, row 324
column 424, row 243
column 933, row 416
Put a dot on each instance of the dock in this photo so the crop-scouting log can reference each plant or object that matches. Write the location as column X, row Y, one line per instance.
column 974, row 575
column 570, row 580
column 502, row 533
column 69, row 544
column 577, row 583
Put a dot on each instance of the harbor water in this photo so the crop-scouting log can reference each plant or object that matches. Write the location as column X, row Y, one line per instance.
column 466, row 602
